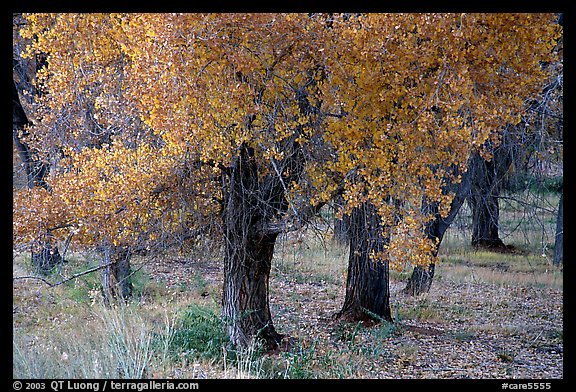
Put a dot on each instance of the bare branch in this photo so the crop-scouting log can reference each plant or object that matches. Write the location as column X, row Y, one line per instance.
column 67, row 279
column 526, row 204
column 301, row 216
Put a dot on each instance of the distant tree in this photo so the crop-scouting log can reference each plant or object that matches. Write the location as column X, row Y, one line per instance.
column 559, row 235
column 487, row 183
column 421, row 279
column 44, row 254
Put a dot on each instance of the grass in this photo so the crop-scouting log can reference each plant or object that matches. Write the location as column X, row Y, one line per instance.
column 505, row 309
column 198, row 333
column 104, row 343
column 312, row 259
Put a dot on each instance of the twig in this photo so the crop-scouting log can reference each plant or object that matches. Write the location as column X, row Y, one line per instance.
column 67, row 279
column 526, row 204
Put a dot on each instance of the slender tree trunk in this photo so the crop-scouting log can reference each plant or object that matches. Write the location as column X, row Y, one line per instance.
column 367, row 284
column 421, row 279
column 247, row 259
column 341, row 228
column 559, row 238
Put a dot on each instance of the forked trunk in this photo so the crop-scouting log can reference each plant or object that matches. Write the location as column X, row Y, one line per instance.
column 367, row 284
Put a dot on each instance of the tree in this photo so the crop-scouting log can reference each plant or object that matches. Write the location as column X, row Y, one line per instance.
column 367, row 281
column 82, row 68
column 421, row 279
column 44, row 254
column 275, row 115
column 502, row 165
column 483, row 199
column 559, row 238
column 436, row 212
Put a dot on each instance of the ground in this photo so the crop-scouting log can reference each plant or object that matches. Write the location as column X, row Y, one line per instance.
column 486, row 316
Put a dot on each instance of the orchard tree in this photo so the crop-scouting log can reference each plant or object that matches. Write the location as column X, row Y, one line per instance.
column 278, row 114
column 240, row 92
column 231, row 108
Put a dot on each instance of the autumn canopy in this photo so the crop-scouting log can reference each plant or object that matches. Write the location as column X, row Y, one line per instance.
column 156, row 125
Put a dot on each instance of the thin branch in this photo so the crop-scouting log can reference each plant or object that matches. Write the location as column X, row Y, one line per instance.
column 301, row 217
column 526, row 204
column 67, row 279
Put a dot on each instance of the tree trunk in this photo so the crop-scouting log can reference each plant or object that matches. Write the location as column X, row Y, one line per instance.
column 485, row 221
column 421, row 279
column 341, row 226
column 246, row 307
column 483, row 200
column 559, row 238
column 367, row 285
column 248, row 258
column 45, row 257
column 116, row 282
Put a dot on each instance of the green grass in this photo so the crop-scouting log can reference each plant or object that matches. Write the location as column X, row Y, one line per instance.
column 198, row 333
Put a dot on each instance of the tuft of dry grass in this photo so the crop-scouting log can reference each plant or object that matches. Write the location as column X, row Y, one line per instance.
column 98, row 342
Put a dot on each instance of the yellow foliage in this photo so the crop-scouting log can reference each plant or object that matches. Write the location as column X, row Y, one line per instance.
column 380, row 102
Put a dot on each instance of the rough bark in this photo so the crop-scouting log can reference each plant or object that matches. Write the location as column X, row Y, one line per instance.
column 486, row 186
column 248, row 257
column 116, row 282
column 367, row 284
column 559, row 238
